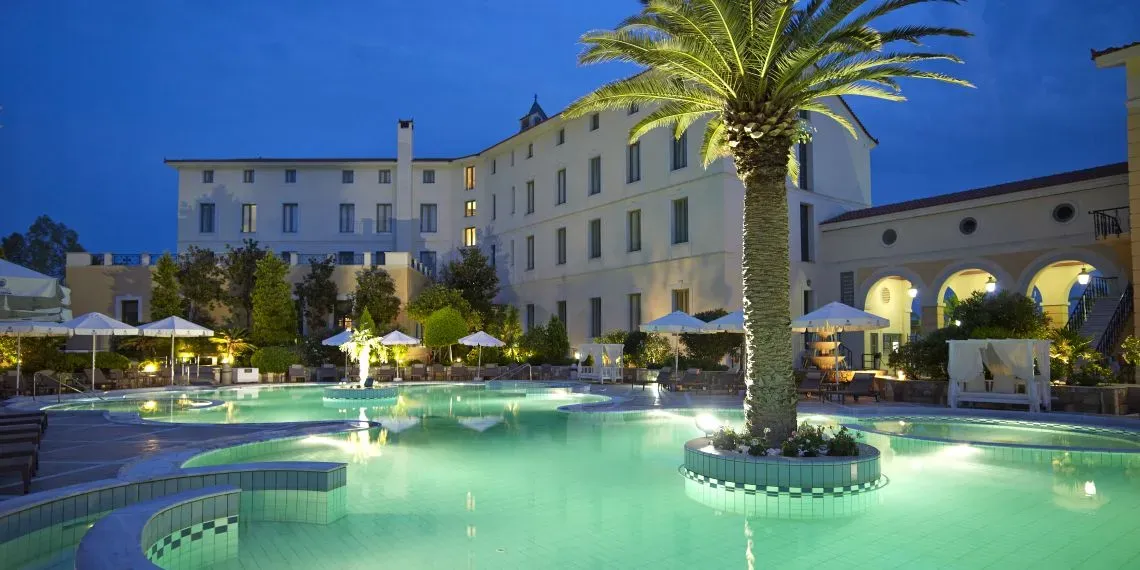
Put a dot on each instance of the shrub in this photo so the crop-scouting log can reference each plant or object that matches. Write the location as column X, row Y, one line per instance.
column 725, row 439
column 843, row 444
column 1014, row 312
column 806, row 441
column 928, row 356
column 110, row 361
column 273, row 359
column 444, row 328
column 1091, row 374
column 707, row 350
column 313, row 353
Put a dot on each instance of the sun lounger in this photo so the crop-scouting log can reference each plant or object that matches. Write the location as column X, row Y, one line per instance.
column 811, row 384
column 25, row 437
column 24, row 449
column 419, row 373
column 298, row 373
column 385, row 374
column 665, row 377
column 863, row 384
column 37, row 415
column 21, row 465
column 9, row 422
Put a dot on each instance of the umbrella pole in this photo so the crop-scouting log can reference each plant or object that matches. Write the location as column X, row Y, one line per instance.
column 172, row 359
column 18, row 358
column 92, row 362
column 676, row 352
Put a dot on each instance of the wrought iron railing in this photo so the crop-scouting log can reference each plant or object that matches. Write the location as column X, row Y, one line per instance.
column 1117, row 324
column 1110, row 222
column 126, row 259
column 1098, row 287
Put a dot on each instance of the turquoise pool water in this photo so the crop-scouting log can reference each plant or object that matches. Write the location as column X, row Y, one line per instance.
column 1006, row 432
column 467, row 478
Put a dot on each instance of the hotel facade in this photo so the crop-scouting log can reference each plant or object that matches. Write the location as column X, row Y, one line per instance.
column 605, row 234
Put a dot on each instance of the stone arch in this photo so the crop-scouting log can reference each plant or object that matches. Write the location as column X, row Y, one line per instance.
column 893, row 271
column 1054, row 276
column 885, row 294
column 955, row 271
column 1093, row 258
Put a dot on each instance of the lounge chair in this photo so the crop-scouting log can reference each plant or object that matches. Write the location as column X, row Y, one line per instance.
column 298, row 373
column 863, row 384
column 24, row 449
column 42, row 417
column 20, row 437
column 419, row 373
column 29, row 430
column 385, row 374
column 489, row 371
column 8, row 384
column 438, row 373
column 665, row 377
column 326, row 373
column 691, row 380
column 458, row 373
column 811, row 384
column 22, row 465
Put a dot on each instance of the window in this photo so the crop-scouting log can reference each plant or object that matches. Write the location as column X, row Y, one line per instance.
column 429, row 177
column 469, row 209
column 290, row 176
column 469, row 236
column 289, row 218
column 347, row 258
column 248, row 218
column 129, row 311
column 804, row 157
column 494, row 206
column 633, row 109
column 530, row 317
column 681, row 300
column 512, row 200
column 494, row 255
column 529, row 252
column 680, row 151
column 807, row 228
column 469, row 178
column 427, row 259
column 561, row 308
column 595, row 317
column 207, row 177
column 847, row 288
column 968, row 226
column 347, row 176
column 560, row 246
column 561, row 137
column 634, row 312
column 530, row 197
column 206, row 218
column 633, row 162
column 809, row 301
column 247, row 176
column 560, row 187
column 681, row 220
column 595, row 239
column 512, row 259
column 596, row 175
column 383, row 218
column 595, row 122
column 494, row 166
column 529, row 150
column 347, row 218
column 890, row 237
column 1064, row 213
column 633, row 230
column 385, row 176
column 427, row 218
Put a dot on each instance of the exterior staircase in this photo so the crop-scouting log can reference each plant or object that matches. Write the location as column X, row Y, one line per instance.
column 1105, row 319
column 1098, row 318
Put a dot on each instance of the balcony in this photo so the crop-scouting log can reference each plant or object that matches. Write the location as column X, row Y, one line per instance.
column 81, row 259
column 1110, row 223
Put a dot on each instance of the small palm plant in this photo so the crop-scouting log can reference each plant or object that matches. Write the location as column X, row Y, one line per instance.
column 753, row 69
column 232, row 343
column 360, row 347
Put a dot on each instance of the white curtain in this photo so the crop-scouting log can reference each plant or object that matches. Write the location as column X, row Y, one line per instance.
column 965, row 361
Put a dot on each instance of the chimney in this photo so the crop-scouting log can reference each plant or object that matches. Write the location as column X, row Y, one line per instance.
column 403, row 199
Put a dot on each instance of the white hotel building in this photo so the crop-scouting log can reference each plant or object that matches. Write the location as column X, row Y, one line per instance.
column 579, row 223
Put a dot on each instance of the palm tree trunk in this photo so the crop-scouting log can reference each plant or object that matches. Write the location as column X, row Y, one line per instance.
column 771, row 396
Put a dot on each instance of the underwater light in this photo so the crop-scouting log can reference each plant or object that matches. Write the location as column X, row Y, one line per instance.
column 708, row 423
column 149, row 406
column 1090, row 489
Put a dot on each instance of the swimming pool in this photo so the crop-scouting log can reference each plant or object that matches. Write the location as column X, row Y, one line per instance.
column 1004, row 431
column 470, row 478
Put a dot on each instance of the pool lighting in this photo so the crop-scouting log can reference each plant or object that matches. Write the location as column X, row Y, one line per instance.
column 1090, row 489
column 708, row 423
column 150, row 368
column 902, row 423
column 1083, row 277
column 149, row 406
column 991, row 284
column 912, row 292
column 960, row 451
column 957, row 323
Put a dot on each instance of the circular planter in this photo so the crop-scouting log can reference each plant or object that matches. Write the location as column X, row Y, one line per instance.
column 811, row 476
column 339, row 393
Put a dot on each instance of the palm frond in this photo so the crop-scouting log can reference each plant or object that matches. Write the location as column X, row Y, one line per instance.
column 668, row 115
column 826, row 111
column 913, row 34
column 648, row 87
column 793, row 166
column 713, row 145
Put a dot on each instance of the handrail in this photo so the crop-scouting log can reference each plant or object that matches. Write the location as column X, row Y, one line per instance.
column 511, row 370
column 1106, row 222
column 1116, row 324
column 58, row 384
column 1097, row 288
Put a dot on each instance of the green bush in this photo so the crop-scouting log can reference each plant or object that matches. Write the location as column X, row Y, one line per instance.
column 547, row 344
column 444, row 328
column 110, row 361
column 705, row 351
column 927, row 357
column 725, row 439
column 274, row 359
column 1091, row 374
column 1013, row 312
column 843, row 444
column 313, row 353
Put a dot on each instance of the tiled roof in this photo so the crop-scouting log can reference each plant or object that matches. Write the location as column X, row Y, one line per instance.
column 288, row 160
column 986, row 192
column 1106, row 51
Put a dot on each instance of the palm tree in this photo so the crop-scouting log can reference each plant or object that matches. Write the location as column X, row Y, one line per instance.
column 232, row 343
column 750, row 68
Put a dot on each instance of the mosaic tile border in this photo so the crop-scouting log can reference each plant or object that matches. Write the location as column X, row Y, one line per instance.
column 190, row 535
column 793, row 492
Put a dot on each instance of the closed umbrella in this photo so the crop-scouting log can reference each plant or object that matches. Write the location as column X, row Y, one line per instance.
column 480, row 339
column 174, row 327
column 21, row 329
column 98, row 324
column 397, row 338
column 675, row 323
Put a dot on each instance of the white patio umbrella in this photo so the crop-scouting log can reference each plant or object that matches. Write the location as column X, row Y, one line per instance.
column 339, row 339
column 98, row 324
column 731, row 323
column 397, row 338
column 675, row 323
column 480, row 339
column 174, row 327
column 21, row 329
column 29, row 295
column 839, row 317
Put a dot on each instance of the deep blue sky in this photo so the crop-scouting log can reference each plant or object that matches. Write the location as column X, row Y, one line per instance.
column 96, row 93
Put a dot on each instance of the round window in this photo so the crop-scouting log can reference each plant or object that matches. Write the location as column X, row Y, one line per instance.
column 968, row 226
column 1063, row 213
column 890, row 237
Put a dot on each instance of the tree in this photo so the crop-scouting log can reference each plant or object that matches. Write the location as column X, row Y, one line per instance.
column 366, row 323
column 273, row 359
column 444, row 328
column 376, row 292
column 475, row 279
column 706, row 350
column 557, row 344
column 232, row 343
column 1015, row 313
column 274, row 313
column 201, row 282
column 751, row 68
column 43, row 248
column 317, row 294
column 440, row 296
column 504, row 325
column 239, row 267
column 164, row 298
